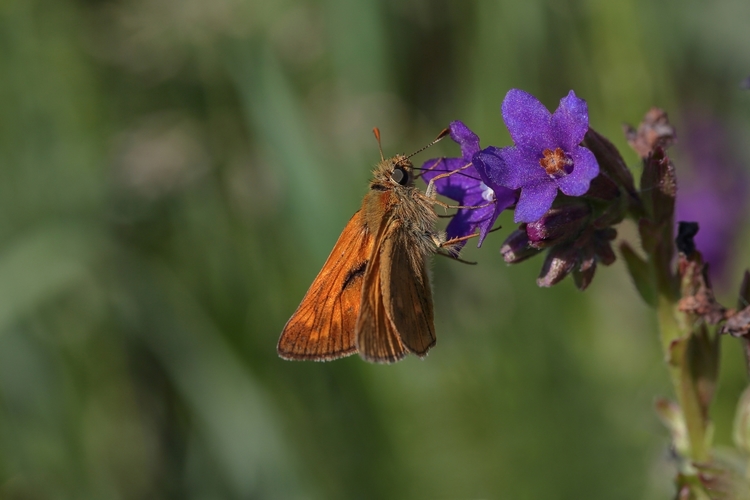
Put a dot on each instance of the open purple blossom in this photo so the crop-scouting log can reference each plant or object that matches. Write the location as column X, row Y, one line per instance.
column 547, row 154
column 468, row 187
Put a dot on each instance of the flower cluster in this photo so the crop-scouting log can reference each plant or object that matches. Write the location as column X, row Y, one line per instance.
column 550, row 176
column 569, row 187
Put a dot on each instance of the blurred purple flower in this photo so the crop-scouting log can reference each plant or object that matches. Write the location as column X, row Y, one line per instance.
column 714, row 193
column 469, row 187
column 546, row 155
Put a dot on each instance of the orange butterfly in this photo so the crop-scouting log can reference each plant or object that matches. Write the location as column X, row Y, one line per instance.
column 373, row 294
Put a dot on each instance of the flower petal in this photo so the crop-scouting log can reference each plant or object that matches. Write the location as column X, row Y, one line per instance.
column 468, row 140
column 510, row 167
column 436, row 166
column 528, row 121
column 585, row 168
column 535, row 200
column 570, row 121
column 466, row 221
column 506, row 199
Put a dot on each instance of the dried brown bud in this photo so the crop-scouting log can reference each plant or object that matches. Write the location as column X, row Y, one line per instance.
column 738, row 324
column 697, row 294
column 654, row 131
column 659, row 187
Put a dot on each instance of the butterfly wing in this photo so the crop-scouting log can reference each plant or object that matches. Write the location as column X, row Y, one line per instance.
column 377, row 339
column 407, row 294
column 396, row 315
column 322, row 328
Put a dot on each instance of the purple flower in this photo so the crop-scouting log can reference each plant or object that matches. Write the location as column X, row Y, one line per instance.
column 469, row 187
column 546, row 155
column 713, row 191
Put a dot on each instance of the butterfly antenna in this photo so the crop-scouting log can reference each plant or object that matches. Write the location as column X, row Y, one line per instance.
column 376, row 131
column 442, row 134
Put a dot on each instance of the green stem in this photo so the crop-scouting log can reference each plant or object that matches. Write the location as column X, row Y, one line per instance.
column 675, row 337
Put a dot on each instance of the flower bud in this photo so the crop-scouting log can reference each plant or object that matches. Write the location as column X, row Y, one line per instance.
column 738, row 324
column 602, row 245
column 697, row 293
column 686, row 232
column 560, row 261
column 558, row 225
column 584, row 272
column 603, row 188
column 516, row 246
column 609, row 159
column 659, row 188
column 654, row 131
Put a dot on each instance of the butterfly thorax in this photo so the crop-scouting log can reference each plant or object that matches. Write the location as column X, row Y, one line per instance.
column 394, row 200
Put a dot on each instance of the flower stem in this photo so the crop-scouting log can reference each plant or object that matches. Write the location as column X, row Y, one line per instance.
column 676, row 340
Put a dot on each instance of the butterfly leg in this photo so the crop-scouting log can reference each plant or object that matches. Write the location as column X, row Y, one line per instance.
column 449, row 246
column 431, row 190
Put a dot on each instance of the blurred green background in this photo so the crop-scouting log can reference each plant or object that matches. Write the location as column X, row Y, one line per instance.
column 174, row 173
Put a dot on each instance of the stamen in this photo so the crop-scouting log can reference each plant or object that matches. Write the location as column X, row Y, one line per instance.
column 556, row 163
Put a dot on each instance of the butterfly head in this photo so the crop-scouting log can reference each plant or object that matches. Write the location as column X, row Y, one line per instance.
column 392, row 172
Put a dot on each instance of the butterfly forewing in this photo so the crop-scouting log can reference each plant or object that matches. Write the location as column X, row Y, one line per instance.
column 322, row 328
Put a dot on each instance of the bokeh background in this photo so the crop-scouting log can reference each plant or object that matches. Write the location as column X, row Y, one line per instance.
column 173, row 174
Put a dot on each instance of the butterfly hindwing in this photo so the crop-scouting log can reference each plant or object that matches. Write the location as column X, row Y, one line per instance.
column 378, row 340
column 407, row 295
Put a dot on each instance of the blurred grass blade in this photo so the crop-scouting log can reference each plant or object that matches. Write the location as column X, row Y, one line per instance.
column 233, row 413
column 40, row 264
column 358, row 44
column 271, row 107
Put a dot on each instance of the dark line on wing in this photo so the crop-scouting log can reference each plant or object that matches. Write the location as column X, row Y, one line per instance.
column 355, row 273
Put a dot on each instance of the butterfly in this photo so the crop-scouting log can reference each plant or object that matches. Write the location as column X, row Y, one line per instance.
column 373, row 294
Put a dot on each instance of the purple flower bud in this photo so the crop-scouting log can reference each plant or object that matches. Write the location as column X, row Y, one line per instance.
column 560, row 261
column 603, row 188
column 516, row 247
column 579, row 257
column 602, row 245
column 584, row 274
column 558, row 224
column 609, row 159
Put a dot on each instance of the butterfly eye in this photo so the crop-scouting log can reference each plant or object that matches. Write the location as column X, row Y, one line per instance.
column 400, row 176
